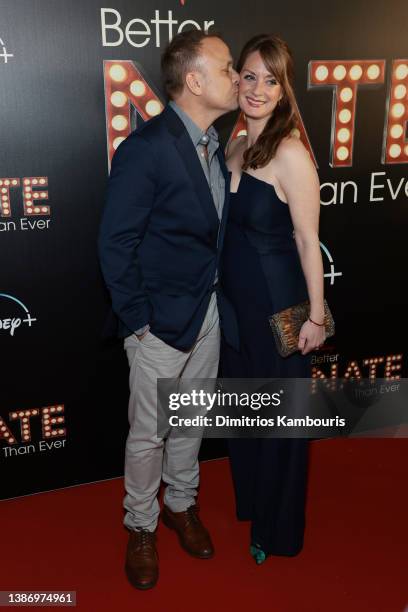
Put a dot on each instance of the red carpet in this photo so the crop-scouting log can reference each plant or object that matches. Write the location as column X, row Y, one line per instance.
column 354, row 559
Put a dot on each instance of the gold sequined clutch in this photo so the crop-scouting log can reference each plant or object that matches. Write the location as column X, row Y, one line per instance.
column 287, row 323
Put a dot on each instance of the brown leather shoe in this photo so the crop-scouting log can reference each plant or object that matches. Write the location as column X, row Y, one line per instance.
column 142, row 563
column 193, row 536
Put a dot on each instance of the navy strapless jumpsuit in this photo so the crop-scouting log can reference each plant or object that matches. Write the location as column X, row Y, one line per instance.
column 261, row 274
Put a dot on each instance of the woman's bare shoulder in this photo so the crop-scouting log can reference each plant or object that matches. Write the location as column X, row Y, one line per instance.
column 293, row 163
column 292, row 154
column 291, row 147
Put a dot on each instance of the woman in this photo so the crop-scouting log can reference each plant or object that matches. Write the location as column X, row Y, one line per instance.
column 271, row 260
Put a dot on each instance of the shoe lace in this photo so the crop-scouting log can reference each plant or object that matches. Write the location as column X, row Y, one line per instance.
column 191, row 516
column 146, row 539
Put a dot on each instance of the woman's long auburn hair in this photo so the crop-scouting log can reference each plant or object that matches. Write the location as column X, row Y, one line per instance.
column 277, row 58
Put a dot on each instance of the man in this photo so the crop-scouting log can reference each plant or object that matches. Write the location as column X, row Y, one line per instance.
column 160, row 242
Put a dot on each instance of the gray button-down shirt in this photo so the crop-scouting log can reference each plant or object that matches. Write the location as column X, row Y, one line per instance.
column 211, row 167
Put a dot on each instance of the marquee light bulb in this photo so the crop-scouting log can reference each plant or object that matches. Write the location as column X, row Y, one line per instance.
column 395, row 150
column 401, row 72
column 400, row 92
column 138, row 88
column 343, row 135
column 396, row 130
column 117, row 73
column 321, row 73
column 339, row 72
column 373, row 71
column 118, row 99
column 398, row 110
column 153, row 108
column 356, row 72
column 117, row 141
column 345, row 115
column 119, row 123
column 346, row 94
column 342, row 153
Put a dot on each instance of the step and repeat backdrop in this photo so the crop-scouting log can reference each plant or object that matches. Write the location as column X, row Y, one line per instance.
column 75, row 79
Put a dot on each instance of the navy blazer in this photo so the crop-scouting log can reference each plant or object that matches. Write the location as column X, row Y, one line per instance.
column 160, row 238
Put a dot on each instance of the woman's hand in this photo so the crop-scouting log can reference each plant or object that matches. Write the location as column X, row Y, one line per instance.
column 311, row 337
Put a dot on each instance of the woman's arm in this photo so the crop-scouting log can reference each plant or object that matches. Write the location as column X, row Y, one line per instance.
column 298, row 179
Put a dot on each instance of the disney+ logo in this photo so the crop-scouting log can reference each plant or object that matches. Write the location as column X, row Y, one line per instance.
column 4, row 55
column 15, row 316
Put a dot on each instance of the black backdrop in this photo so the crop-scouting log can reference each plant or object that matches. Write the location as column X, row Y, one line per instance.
column 54, row 125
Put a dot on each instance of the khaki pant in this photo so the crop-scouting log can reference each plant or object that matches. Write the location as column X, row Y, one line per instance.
column 148, row 458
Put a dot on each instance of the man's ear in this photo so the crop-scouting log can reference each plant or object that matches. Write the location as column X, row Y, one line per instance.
column 193, row 82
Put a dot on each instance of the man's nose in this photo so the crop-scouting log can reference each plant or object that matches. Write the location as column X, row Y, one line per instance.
column 235, row 77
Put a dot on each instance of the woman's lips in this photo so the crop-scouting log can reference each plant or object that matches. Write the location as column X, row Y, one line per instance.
column 254, row 103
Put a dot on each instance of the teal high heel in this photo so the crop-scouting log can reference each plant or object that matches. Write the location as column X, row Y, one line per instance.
column 257, row 553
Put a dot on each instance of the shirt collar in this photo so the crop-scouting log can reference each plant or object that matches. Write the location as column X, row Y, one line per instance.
column 192, row 128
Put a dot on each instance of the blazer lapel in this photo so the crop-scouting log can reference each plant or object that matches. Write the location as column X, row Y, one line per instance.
column 224, row 217
column 193, row 166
